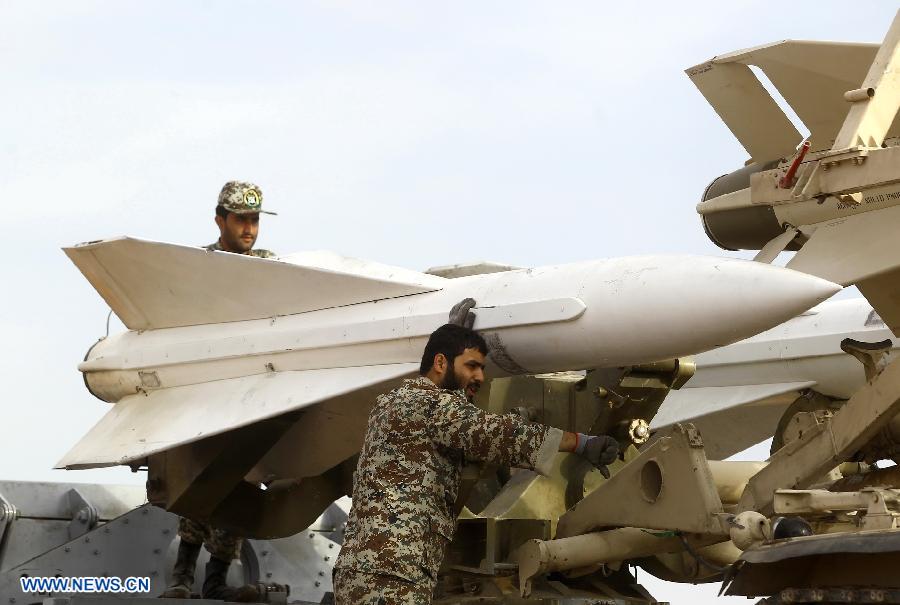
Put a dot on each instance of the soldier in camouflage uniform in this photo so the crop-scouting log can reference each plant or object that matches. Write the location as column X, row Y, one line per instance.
column 418, row 438
column 237, row 216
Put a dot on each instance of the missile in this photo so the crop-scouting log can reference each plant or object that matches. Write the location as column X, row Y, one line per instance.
column 739, row 392
column 219, row 341
column 835, row 197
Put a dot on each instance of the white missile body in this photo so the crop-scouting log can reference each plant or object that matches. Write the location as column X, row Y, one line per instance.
column 218, row 341
column 739, row 393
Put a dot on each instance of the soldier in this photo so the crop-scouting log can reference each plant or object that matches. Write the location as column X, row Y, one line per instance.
column 237, row 216
column 418, row 438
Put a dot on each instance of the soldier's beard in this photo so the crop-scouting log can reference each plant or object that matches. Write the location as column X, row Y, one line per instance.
column 238, row 244
column 452, row 382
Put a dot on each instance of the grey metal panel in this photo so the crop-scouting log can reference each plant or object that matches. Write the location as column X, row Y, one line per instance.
column 27, row 538
column 303, row 561
column 142, row 542
column 50, row 500
column 131, row 545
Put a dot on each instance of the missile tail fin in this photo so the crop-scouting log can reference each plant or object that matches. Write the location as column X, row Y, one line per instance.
column 143, row 424
column 730, row 418
column 862, row 250
column 157, row 285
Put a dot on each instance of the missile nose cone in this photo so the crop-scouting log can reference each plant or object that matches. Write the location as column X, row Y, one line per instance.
column 662, row 307
column 737, row 298
column 772, row 290
column 647, row 308
column 793, row 288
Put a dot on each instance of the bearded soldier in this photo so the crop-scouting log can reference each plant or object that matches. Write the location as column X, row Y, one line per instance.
column 418, row 438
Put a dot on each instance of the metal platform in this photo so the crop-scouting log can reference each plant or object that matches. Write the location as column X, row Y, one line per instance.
column 71, row 529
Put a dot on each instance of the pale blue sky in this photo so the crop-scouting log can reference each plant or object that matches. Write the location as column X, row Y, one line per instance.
column 413, row 133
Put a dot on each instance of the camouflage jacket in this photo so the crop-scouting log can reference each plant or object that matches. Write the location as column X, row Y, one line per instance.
column 406, row 482
column 257, row 252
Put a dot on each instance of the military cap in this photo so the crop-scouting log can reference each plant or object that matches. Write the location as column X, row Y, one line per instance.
column 241, row 198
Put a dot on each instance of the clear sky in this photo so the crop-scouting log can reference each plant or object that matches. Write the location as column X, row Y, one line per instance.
column 412, row 133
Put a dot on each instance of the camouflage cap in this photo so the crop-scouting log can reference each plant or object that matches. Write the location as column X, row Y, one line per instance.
column 241, row 198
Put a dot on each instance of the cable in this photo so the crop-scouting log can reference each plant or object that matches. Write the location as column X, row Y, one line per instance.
column 701, row 560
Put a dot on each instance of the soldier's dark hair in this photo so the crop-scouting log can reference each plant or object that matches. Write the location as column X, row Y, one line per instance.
column 451, row 340
column 221, row 211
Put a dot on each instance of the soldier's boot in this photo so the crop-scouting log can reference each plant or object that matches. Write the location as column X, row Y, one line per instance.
column 216, row 587
column 183, row 572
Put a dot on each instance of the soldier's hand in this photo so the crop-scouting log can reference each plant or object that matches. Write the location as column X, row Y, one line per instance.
column 599, row 450
column 461, row 314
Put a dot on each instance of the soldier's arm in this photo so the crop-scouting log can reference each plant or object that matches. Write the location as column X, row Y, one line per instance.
column 498, row 439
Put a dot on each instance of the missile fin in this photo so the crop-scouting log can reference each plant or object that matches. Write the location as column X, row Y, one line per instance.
column 810, row 76
column 157, row 285
column 746, row 108
column 144, row 424
column 725, row 416
column 862, row 249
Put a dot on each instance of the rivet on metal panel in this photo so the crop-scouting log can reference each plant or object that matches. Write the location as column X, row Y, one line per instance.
column 327, row 558
column 318, row 583
column 321, row 574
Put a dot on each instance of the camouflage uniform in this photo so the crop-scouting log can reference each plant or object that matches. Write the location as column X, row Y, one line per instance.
column 261, row 253
column 218, row 542
column 241, row 198
column 406, row 483
column 360, row 588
